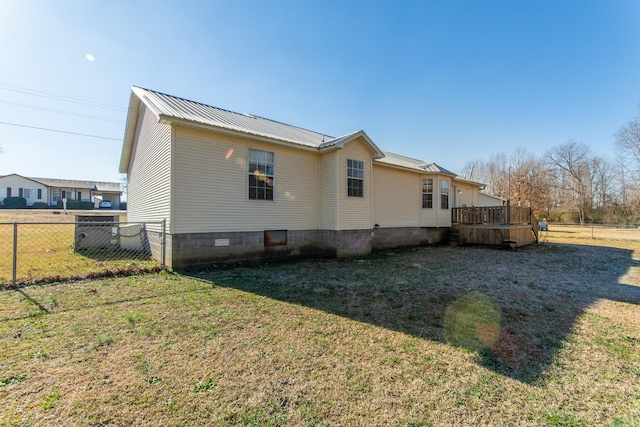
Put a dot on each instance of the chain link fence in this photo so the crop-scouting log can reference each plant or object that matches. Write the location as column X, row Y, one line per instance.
column 39, row 252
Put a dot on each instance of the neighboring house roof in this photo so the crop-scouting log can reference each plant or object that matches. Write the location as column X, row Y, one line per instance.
column 30, row 179
column 92, row 185
column 115, row 187
column 174, row 110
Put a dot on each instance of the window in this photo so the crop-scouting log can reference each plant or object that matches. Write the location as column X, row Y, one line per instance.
column 261, row 173
column 427, row 193
column 56, row 195
column 39, row 193
column 26, row 193
column 355, row 178
column 444, row 194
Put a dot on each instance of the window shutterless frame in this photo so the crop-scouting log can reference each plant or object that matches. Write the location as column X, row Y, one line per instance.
column 261, row 174
column 355, row 178
column 427, row 193
column 444, row 194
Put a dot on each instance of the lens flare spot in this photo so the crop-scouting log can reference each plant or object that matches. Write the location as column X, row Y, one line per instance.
column 229, row 153
column 240, row 161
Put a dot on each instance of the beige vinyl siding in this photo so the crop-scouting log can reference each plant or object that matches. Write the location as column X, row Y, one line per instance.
column 437, row 217
column 211, row 181
column 328, row 187
column 354, row 213
column 149, row 174
column 397, row 197
column 464, row 194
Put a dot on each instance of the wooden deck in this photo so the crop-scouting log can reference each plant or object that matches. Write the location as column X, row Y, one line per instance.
column 493, row 225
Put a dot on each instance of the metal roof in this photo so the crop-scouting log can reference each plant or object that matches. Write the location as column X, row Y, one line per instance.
column 91, row 185
column 411, row 163
column 174, row 110
column 178, row 108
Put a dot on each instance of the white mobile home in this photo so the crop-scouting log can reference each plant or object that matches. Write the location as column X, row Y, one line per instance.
column 237, row 187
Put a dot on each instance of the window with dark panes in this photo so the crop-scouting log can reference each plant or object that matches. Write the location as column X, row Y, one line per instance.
column 444, row 194
column 355, row 178
column 427, row 193
column 261, row 173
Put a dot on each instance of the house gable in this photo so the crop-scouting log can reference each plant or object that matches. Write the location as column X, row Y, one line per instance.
column 15, row 185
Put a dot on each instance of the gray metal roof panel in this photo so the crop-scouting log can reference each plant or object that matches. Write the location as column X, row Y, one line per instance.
column 171, row 106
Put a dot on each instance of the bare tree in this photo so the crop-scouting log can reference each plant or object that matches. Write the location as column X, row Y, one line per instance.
column 628, row 140
column 574, row 180
column 494, row 173
column 521, row 178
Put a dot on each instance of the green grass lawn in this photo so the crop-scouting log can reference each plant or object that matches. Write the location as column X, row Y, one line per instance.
column 46, row 252
column 547, row 335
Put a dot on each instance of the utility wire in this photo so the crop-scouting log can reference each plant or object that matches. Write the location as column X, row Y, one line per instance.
column 60, row 131
column 60, row 97
column 69, row 113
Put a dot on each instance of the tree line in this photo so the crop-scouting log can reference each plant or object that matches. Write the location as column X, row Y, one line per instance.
column 569, row 182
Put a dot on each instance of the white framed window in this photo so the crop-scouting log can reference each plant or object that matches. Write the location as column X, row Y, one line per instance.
column 444, row 194
column 56, row 195
column 26, row 193
column 355, row 178
column 261, row 174
column 427, row 193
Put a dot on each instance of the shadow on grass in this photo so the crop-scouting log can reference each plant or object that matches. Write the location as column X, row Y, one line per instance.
column 513, row 308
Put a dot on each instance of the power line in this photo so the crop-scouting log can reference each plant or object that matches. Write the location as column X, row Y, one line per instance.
column 60, row 97
column 60, row 131
column 69, row 113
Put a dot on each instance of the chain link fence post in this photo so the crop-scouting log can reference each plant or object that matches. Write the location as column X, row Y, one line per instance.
column 15, row 253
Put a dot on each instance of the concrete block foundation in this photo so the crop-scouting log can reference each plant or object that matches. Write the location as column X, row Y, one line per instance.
column 194, row 249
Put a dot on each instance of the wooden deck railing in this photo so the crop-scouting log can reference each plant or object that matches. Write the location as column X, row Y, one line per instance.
column 502, row 215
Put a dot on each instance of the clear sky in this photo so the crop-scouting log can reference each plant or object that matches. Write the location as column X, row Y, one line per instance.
column 444, row 81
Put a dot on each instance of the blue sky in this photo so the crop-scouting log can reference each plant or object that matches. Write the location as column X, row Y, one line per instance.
column 442, row 81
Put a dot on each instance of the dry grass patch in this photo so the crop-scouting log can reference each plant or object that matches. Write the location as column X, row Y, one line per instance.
column 431, row 336
column 45, row 250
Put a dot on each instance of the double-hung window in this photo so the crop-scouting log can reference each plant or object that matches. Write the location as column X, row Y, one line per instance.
column 444, row 194
column 355, row 178
column 261, row 173
column 427, row 193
